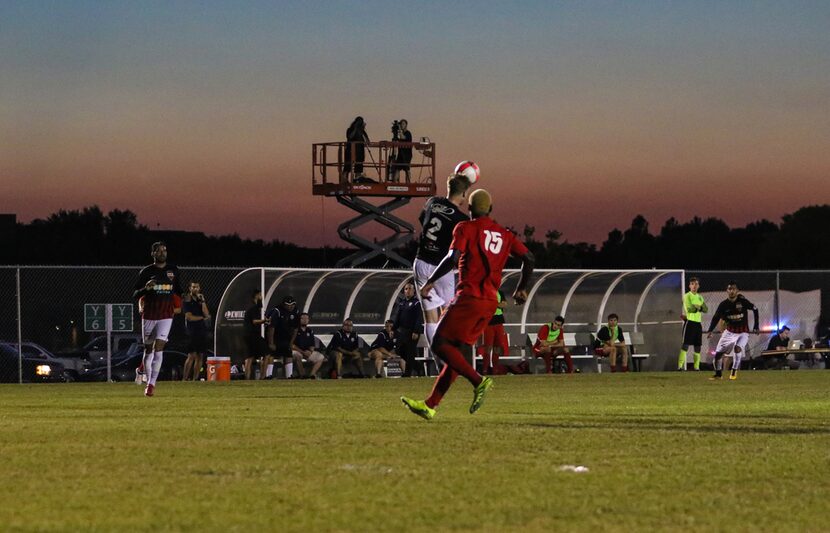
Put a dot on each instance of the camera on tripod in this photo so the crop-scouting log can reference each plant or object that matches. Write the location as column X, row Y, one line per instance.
column 396, row 129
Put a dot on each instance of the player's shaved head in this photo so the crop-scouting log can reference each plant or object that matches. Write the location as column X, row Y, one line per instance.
column 480, row 203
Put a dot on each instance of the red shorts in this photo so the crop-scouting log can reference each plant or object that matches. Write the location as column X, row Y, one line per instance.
column 466, row 319
column 495, row 336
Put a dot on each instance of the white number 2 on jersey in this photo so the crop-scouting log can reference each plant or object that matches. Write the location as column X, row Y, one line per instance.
column 493, row 241
column 434, row 227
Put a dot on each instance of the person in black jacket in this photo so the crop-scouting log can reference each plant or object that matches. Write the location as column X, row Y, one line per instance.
column 355, row 153
column 409, row 325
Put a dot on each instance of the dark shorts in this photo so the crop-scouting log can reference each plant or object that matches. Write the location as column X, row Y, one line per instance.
column 256, row 346
column 283, row 349
column 692, row 333
column 466, row 318
column 197, row 344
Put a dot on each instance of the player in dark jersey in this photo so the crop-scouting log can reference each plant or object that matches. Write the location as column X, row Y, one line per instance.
column 481, row 248
column 159, row 290
column 731, row 318
column 438, row 220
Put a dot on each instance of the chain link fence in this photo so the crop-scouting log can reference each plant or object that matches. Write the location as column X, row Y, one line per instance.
column 51, row 309
column 51, row 317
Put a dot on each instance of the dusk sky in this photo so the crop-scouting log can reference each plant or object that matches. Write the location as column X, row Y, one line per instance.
column 201, row 115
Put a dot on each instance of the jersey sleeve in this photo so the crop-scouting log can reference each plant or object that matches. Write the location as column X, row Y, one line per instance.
column 543, row 333
column 460, row 237
column 517, row 247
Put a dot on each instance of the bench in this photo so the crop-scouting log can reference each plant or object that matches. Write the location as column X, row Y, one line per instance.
column 525, row 348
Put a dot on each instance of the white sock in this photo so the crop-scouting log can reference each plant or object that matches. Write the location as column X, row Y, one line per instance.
column 157, row 359
column 289, row 369
column 429, row 332
column 736, row 361
column 269, row 371
column 148, row 363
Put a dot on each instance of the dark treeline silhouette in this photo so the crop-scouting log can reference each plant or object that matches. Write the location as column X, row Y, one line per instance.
column 90, row 237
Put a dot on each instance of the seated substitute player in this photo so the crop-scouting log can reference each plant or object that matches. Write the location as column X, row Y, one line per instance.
column 550, row 343
column 305, row 347
column 284, row 321
column 481, row 248
column 611, row 342
column 693, row 308
column 438, row 220
column 159, row 287
column 383, row 348
column 345, row 343
column 731, row 318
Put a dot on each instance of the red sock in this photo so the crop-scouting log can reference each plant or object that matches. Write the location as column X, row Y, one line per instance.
column 570, row 362
column 441, row 386
column 452, row 356
column 613, row 369
column 548, row 363
column 625, row 369
column 484, row 352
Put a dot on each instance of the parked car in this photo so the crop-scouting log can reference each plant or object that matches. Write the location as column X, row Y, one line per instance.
column 126, row 361
column 72, row 367
column 95, row 351
column 36, row 369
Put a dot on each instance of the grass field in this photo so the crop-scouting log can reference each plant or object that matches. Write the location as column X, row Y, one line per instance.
column 664, row 451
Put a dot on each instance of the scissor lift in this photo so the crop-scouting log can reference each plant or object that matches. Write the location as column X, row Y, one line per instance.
column 380, row 178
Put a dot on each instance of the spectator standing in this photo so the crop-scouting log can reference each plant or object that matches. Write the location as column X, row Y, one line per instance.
column 550, row 343
column 355, row 153
column 284, row 321
column 383, row 348
column 305, row 347
column 196, row 315
column 404, row 156
column 344, row 343
column 409, row 324
column 253, row 334
column 611, row 342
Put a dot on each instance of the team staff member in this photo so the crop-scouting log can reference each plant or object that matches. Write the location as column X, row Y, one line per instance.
column 284, row 320
column 344, row 343
column 731, row 318
column 195, row 316
column 253, row 334
column 693, row 308
column 409, row 323
column 305, row 347
column 383, row 348
column 159, row 290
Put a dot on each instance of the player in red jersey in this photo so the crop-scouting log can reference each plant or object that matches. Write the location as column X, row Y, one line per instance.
column 158, row 290
column 481, row 248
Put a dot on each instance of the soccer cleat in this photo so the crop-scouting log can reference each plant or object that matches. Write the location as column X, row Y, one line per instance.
column 419, row 407
column 733, row 376
column 140, row 376
column 149, row 390
column 716, row 378
column 479, row 393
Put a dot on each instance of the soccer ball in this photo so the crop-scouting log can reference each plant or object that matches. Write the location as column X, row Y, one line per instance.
column 469, row 170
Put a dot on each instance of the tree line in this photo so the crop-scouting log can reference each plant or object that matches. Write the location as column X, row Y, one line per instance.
column 89, row 236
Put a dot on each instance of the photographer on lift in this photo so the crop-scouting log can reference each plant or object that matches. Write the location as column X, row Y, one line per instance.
column 400, row 161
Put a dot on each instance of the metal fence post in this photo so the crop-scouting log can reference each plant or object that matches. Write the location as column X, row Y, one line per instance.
column 776, row 300
column 19, row 333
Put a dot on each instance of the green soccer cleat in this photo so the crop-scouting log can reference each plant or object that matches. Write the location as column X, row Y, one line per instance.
column 419, row 407
column 479, row 392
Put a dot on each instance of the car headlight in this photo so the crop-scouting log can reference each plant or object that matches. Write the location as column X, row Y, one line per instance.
column 43, row 370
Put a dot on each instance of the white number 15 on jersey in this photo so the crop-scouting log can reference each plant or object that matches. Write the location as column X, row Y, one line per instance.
column 493, row 241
